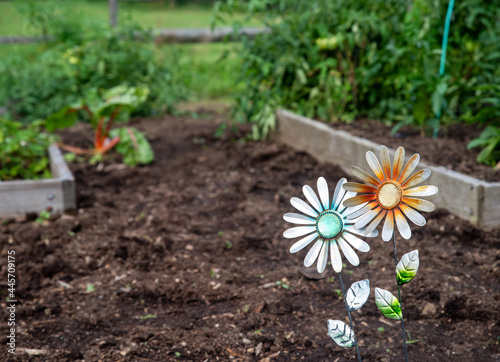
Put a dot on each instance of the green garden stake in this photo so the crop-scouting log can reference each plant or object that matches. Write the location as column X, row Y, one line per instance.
column 444, row 47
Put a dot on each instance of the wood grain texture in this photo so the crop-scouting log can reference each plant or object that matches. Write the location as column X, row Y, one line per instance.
column 466, row 197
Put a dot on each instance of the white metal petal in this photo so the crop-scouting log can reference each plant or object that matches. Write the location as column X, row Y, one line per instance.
column 352, row 210
column 419, row 177
column 322, row 258
column 311, row 197
column 402, row 224
column 388, row 227
column 385, row 162
column 302, row 206
column 375, row 165
column 302, row 243
column 356, row 242
column 373, row 225
column 338, row 194
column 421, row 191
column 419, row 204
column 410, row 166
column 313, row 253
column 341, row 208
column 361, row 211
column 366, row 218
column 323, row 192
column 365, row 176
column 413, row 215
column 361, row 231
column 397, row 166
column 298, row 231
column 298, row 219
column 349, row 252
column 335, row 255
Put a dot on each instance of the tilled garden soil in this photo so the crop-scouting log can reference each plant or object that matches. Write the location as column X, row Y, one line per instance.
column 448, row 150
column 180, row 260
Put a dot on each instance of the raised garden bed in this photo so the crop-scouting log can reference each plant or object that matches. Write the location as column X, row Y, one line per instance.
column 467, row 197
column 178, row 261
column 56, row 194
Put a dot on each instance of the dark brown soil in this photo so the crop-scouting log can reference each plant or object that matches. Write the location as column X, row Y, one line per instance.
column 448, row 150
column 179, row 260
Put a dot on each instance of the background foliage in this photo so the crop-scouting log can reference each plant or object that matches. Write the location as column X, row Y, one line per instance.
column 338, row 60
column 24, row 151
column 38, row 81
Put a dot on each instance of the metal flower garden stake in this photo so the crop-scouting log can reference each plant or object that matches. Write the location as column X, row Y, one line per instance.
column 328, row 225
column 391, row 195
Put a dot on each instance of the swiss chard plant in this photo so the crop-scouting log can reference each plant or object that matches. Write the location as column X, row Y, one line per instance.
column 103, row 111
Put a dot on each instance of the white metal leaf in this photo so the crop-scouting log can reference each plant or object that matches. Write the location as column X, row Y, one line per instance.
column 357, row 295
column 341, row 333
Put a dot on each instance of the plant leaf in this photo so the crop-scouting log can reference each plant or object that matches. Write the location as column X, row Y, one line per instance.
column 341, row 333
column 63, row 118
column 357, row 295
column 407, row 267
column 388, row 304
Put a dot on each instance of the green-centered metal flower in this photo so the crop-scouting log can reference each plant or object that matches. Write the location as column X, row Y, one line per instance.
column 327, row 225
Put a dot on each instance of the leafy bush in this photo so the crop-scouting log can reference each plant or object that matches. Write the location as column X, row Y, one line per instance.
column 489, row 141
column 24, row 151
column 334, row 60
column 37, row 83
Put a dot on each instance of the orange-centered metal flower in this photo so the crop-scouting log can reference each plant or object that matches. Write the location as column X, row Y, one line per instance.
column 390, row 194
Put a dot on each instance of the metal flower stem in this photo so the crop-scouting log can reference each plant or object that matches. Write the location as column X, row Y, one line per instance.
column 350, row 318
column 399, row 297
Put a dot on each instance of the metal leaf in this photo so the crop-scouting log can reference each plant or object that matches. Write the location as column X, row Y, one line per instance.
column 407, row 267
column 388, row 304
column 357, row 295
column 341, row 333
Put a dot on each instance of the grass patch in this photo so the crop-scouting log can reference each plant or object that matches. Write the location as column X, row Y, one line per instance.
column 149, row 15
column 208, row 70
column 202, row 68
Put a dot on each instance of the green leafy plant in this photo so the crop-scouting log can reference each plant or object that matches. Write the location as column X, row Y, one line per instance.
column 43, row 216
column 38, row 81
column 338, row 60
column 115, row 105
column 24, row 150
column 489, row 141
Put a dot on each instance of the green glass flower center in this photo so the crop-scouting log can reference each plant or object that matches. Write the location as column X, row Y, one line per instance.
column 329, row 224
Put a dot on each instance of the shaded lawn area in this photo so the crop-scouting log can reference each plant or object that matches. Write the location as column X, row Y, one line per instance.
column 149, row 15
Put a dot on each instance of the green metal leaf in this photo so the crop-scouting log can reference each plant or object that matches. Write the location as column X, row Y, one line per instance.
column 407, row 267
column 341, row 333
column 388, row 304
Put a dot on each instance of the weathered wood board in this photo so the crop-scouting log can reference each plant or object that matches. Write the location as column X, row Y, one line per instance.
column 161, row 36
column 57, row 194
column 464, row 196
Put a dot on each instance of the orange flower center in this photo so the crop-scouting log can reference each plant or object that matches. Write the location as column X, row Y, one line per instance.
column 389, row 195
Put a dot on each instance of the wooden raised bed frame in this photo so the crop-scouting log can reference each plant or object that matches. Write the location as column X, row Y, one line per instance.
column 57, row 194
column 466, row 197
